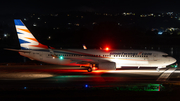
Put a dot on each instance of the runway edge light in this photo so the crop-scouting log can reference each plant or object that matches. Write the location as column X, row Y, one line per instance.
column 25, row 87
column 86, row 85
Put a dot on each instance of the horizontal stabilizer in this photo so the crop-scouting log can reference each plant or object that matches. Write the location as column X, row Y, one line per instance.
column 17, row 50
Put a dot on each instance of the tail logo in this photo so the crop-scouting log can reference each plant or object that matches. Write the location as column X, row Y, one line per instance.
column 26, row 39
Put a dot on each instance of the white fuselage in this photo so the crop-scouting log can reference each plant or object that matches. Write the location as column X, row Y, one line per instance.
column 76, row 57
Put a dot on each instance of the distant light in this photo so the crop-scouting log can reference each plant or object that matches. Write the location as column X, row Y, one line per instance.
column 160, row 33
column 5, row 35
column 124, row 13
column 143, row 15
column 77, row 24
column 25, row 19
column 128, row 13
column 49, row 37
column 34, row 24
column 25, row 87
column 152, row 14
column 39, row 18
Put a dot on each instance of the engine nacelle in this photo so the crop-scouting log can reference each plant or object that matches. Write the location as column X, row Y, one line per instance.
column 107, row 66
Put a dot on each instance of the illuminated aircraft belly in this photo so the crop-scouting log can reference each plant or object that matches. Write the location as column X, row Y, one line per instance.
column 130, row 61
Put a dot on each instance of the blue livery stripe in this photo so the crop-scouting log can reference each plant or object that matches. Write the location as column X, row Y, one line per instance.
column 23, row 41
column 62, row 52
column 23, row 48
column 18, row 22
column 19, row 33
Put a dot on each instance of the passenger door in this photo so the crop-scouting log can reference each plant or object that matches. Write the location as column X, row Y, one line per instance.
column 155, row 57
column 41, row 56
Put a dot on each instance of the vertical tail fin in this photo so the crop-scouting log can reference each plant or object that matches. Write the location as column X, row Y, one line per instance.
column 26, row 39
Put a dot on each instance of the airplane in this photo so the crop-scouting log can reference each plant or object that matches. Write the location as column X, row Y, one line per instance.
column 91, row 59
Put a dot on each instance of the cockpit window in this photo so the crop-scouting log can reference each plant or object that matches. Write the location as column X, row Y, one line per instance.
column 165, row 55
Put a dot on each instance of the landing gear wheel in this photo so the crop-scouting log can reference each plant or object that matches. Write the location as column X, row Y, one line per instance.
column 89, row 69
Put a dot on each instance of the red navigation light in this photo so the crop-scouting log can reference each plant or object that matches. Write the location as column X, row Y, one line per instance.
column 107, row 48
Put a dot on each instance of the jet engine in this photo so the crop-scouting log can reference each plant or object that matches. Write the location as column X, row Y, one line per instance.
column 107, row 66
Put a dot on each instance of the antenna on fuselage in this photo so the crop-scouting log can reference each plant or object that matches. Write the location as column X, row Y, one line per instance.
column 52, row 52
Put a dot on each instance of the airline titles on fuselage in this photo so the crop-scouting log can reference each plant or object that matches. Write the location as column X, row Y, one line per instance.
column 119, row 54
column 124, row 53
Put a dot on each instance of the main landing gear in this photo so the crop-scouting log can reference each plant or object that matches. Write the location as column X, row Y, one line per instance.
column 92, row 67
column 89, row 69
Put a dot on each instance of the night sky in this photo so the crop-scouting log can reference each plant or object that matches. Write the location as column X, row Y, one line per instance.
column 13, row 6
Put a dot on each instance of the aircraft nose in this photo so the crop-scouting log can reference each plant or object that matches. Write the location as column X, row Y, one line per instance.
column 172, row 60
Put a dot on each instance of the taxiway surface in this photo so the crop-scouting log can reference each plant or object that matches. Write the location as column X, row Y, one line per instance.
column 48, row 76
